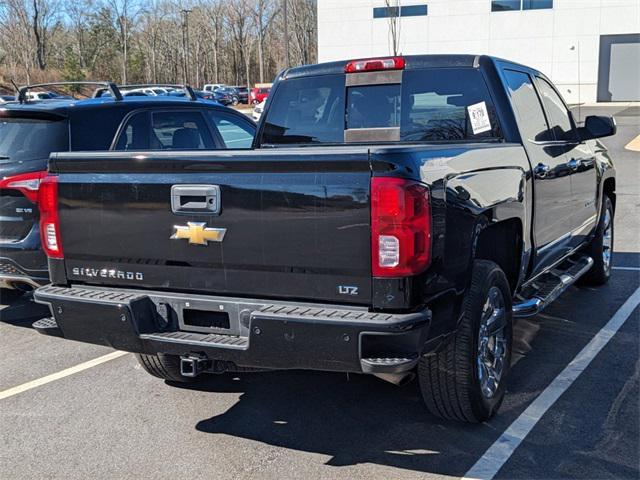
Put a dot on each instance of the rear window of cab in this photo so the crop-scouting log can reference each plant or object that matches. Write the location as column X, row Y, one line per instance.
column 429, row 105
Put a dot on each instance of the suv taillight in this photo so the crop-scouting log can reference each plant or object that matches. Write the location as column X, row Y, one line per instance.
column 26, row 183
column 49, row 220
column 400, row 227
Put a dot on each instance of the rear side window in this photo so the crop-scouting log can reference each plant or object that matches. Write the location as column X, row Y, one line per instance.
column 531, row 120
column 443, row 104
column 447, row 104
column 22, row 139
column 179, row 131
column 235, row 132
column 135, row 133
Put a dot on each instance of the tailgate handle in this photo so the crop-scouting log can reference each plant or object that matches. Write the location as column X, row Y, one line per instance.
column 190, row 199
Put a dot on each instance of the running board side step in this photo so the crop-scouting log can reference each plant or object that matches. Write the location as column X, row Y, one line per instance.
column 540, row 293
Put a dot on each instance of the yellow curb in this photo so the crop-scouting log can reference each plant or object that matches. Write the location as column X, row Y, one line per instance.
column 634, row 145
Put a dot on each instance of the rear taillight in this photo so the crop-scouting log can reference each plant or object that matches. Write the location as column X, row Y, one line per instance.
column 400, row 227
column 26, row 183
column 49, row 220
column 375, row 64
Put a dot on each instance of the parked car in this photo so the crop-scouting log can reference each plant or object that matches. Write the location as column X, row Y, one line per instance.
column 40, row 95
column 232, row 92
column 395, row 214
column 212, row 87
column 150, row 91
column 30, row 131
column 224, row 97
column 199, row 93
column 243, row 93
column 7, row 98
column 257, row 111
column 258, row 95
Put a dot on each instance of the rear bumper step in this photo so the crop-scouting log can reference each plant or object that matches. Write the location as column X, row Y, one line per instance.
column 260, row 333
column 545, row 290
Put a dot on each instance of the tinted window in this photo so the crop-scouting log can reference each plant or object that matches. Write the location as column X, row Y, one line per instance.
column 95, row 128
column 23, row 139
column 531, row 119
column 135, row 133
column 505, row 5
column 437, row 105
column 382, row 112
column 556, row 111
column 430, row 105
column 307, row 110
column 536, row 4
column 179, row 131
column 403, row 11
column 234, row 132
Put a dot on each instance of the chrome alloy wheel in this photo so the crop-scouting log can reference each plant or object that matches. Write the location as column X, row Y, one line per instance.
column 492, row 343
column 607, row 238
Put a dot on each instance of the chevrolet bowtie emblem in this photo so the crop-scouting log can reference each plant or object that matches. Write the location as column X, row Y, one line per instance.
column 198, row 234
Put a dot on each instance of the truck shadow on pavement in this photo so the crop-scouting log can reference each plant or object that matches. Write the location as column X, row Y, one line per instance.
column 22, row 311
column 356, row 420
column 360, row 419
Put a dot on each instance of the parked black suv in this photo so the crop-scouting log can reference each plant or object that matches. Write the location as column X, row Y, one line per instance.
column 31, row 130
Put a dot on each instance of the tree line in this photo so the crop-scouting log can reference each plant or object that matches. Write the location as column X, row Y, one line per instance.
column 239, row 42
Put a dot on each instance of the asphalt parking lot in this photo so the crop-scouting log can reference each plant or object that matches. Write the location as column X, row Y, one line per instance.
column 113, row 420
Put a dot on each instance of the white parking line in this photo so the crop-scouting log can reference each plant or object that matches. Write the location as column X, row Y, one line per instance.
column 502, row 449
column 634, row 269
column 61, row 374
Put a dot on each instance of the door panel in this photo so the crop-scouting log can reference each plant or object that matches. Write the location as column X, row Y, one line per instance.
column 580, row 163
column 552, row 181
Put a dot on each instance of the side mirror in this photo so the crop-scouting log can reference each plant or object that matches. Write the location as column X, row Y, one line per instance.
column 596, row 126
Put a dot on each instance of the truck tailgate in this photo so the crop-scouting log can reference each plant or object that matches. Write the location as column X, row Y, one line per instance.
column 296, row 224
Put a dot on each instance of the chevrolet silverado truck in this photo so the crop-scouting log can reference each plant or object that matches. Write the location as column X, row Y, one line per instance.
column 393, row 215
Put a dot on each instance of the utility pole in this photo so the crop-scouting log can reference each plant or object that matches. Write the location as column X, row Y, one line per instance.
column 185, row 44
column 286, row 33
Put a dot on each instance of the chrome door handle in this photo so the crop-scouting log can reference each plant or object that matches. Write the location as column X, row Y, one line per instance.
column 573, row 164
column 541, row 170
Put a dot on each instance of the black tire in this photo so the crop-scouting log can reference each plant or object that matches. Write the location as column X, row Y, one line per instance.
column 235, row 101
column 600, row 272
column 449, row 378
column 163, row 366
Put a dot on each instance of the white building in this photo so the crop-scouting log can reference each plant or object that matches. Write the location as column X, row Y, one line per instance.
column 589, row 48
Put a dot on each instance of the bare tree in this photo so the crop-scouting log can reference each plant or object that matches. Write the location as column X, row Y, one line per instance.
column 230, row 41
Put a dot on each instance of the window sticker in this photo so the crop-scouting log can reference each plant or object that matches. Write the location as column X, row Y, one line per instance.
column 479, row 118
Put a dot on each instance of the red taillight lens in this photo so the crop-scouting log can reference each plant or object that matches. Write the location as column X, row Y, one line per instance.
column 49, row 220
column 375, row 64
column 400, row 227
column 27, row 183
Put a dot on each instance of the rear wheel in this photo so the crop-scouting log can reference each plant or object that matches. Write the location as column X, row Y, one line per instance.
column 163, row 366
column 601, row 248
column 465, row 380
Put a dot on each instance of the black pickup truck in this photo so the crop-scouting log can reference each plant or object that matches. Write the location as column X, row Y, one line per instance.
column 394, row 215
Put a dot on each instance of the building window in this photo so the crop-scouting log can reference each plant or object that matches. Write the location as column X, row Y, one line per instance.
column 405, row 11
column 508, row 5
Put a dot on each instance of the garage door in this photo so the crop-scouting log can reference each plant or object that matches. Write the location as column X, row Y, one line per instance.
column 618, row 72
